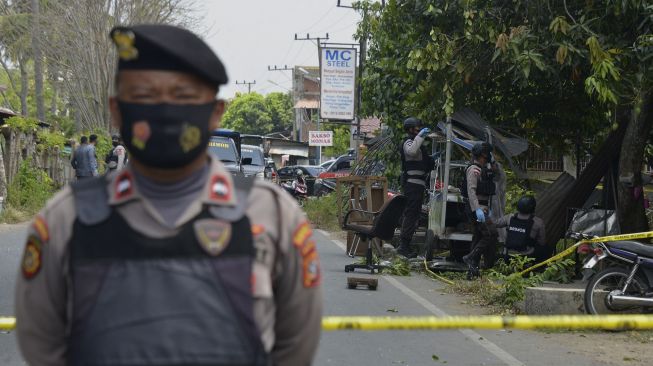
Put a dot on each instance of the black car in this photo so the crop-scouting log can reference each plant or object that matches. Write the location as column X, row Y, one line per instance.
column 310, row 174
column 257, row 165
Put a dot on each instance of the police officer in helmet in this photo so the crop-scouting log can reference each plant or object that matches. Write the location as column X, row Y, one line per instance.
column 170, row 261
column 525, row 232
column 416, row 163
column 478, row 188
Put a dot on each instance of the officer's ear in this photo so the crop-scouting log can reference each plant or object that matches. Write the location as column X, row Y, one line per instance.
column 116, row 121
column 216, row 116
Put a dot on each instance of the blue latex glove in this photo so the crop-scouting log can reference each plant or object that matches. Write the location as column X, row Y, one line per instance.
column 424, row 131
column 480, row 215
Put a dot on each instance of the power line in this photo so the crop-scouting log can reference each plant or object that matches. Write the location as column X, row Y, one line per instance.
column 248, row 83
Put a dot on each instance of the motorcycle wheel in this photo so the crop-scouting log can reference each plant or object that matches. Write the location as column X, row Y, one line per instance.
column 595, row 298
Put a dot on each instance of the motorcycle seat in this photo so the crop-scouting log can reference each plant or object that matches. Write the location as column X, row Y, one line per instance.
column 632, row 246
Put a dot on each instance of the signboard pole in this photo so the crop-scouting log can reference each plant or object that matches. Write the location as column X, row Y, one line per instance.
column 319, row 105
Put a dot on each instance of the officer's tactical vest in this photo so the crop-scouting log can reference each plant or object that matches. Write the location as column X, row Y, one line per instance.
column 485, row 185
column 144, row 301
column 518, row 233
column 417, row 169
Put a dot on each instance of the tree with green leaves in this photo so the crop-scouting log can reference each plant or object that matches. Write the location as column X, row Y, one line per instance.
column 552, row 70
column 280, row 107
column 253, row 113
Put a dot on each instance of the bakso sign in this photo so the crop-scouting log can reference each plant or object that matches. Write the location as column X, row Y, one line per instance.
column 337, row 83
column 320, row 138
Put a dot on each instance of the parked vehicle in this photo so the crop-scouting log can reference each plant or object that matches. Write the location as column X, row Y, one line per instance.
column 225, row 149
column 256, row 166
column 297, row 187
column 327, row 164
column 326, row 181
column 310, row 175
column 623, row 286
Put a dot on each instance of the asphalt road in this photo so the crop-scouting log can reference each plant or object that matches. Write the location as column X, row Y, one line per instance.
column 415, row 295
column 419, row 295
column 12, row 240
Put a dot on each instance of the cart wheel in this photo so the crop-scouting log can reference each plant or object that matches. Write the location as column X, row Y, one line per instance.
column 371, row 287
column 346, row 269
column 351, row 286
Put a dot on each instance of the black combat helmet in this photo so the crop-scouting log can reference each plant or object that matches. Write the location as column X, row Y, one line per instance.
column 526, row 205
column 482, row 148
column 411, row 122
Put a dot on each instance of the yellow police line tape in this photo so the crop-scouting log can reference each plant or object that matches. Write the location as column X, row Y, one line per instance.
column 7, row 323
column 426, row 267
column 332, row 323
column 566, row 252
column 612, row 322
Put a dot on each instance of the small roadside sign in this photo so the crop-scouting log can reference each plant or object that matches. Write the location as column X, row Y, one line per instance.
column 320, row 138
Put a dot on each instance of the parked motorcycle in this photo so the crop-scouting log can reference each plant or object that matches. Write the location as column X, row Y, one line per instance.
column 298, row 187
column 623, row 286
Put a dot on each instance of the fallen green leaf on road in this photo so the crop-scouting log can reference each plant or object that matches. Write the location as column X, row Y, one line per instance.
column 435, row 357
column 393, row 310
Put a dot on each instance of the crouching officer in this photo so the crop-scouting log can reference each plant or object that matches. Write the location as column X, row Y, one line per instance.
column 525, row 233
column 170, row 261
column 416, row 163
column 478, row 187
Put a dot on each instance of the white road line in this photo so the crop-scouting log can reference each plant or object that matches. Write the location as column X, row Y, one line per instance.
column 472, row 335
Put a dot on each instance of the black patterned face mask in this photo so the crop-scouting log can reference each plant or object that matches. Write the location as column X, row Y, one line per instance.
column 165, row 136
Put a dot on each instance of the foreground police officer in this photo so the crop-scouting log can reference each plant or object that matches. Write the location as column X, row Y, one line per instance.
column 170, row 261
column 478, row 187
column 416, row 163
column 525, row 233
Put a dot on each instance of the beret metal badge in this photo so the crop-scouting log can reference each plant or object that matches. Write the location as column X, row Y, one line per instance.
column 124, row 40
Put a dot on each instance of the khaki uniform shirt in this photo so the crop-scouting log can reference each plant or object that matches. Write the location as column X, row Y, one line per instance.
column 473, row 174
column 287, row 294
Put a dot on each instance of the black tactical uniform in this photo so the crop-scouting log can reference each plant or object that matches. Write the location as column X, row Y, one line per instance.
column 416, row 164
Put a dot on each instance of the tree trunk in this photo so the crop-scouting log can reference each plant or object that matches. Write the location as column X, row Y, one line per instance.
column 632, row 217
column 38, row 61
column 3, row 175
column 23, row 86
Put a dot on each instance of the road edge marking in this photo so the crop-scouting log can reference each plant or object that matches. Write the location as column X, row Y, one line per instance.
column 491, row 347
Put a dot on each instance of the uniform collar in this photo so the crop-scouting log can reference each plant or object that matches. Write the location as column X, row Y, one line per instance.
column 218, row 190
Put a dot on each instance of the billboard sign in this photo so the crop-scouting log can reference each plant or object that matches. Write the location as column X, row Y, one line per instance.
column 337, row 83
column 320, row 138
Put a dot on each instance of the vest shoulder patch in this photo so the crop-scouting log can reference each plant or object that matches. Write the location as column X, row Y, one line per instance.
column 213, row 235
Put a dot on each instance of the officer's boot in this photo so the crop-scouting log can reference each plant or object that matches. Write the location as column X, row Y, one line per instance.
column 405, row 250
column 472, row 259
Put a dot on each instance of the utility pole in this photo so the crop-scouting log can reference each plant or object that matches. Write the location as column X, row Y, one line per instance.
column 248, row 83
column 361, row 62
column 292, row 92
column 318, row 39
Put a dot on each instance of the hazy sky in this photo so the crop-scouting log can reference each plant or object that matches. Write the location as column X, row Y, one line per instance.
column 249, row 35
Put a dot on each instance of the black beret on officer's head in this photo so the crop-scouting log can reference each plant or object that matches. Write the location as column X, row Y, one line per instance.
column 166, row 47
